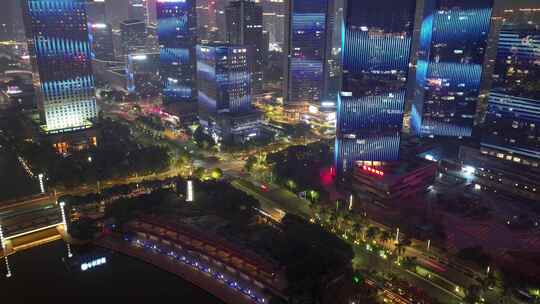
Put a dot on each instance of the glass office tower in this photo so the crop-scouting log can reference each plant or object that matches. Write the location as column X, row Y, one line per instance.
column 224, row 79
column 245, row 27
column 138, row 9
column 377, row 39
column 453, row 41
column 133, row 34
column 177, row 35
column 224, row 84
column 512, row 124
column 58, row 34
column 306, row 50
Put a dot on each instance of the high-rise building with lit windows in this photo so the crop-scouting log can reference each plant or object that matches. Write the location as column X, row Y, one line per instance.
column 133, row 35
column 274, row 21
column 61, row 51
column 177, row 36
column 376, row 56
column 306, row 49
column 224, row 85
column 453, row 42
column 96, row 11
column 138, row 9
column 245, row 27
column 512, row 125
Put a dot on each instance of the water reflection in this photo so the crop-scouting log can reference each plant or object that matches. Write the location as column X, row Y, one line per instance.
column 47, row 272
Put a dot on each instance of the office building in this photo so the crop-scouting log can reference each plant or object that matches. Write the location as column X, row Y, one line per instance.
column 61, row 53
column 7, row 21
column 307, row 48
column 96, row 11
column 512, row 125
column 101, row 39
column 274, row 21
column 224, row 85
column 177, row 36
column 101, row 35
column 206, row 19
column 133, row 35
column 143, row 74
column 138, row 10
column 245, row 27
column 220, row 32
column 497, row 174
column 376, row 57
column 453, row 42
column 394, row 182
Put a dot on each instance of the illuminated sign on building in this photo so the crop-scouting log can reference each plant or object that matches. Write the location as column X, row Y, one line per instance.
column 93, row 264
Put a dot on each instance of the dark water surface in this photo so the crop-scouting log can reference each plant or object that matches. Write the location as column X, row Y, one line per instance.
column 40, row 275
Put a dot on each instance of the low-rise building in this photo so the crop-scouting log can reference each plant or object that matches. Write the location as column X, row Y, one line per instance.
column 392, row 182
column 501, row 174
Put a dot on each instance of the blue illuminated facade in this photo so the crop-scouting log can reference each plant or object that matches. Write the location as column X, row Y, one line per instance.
column 224, row 79
column 376, row 55
column 59, row 42
column 224, row 92
column 245, row 27
column 512, row 124
column 177, row 35
column 453, row 41
column 307, row 47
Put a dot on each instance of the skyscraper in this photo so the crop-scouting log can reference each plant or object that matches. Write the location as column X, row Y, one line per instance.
column 274, row 20
column 96, row 11
column 306, row 48
column 177, row 36
column 221, row 20
column 133, row 34
column 101, row 39
column 138, row 9
column 61, row 47
column 224, row 84
column 205, row 18
column 142, row 72
column 512, row 125
column 7, row 20
column 244, row 27
column 453, row 41
column 376, row 56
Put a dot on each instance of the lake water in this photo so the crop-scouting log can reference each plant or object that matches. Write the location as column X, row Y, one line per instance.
column 40, row 275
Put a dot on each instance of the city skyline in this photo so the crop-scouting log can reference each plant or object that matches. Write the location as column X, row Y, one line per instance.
column 270, row 151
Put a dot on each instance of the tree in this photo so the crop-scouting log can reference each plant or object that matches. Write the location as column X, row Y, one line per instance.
column 357, row 229
column 372, row 233
column 216, row 173
column 409, row 263
column 385, row 236
column 250, row 163
column 291, row 185
column 313, row 196
column 202, row 139
column 472, row 294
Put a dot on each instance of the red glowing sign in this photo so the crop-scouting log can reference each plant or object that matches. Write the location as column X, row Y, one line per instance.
column 373, row 170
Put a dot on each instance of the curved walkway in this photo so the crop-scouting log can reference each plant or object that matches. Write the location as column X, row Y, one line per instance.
column 226, row 289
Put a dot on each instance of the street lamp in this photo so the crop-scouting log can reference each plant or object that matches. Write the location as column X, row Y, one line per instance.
column 190, row 193
column 64, row 221
column 3, row 244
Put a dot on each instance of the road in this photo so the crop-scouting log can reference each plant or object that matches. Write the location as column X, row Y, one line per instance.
column 277, row 202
